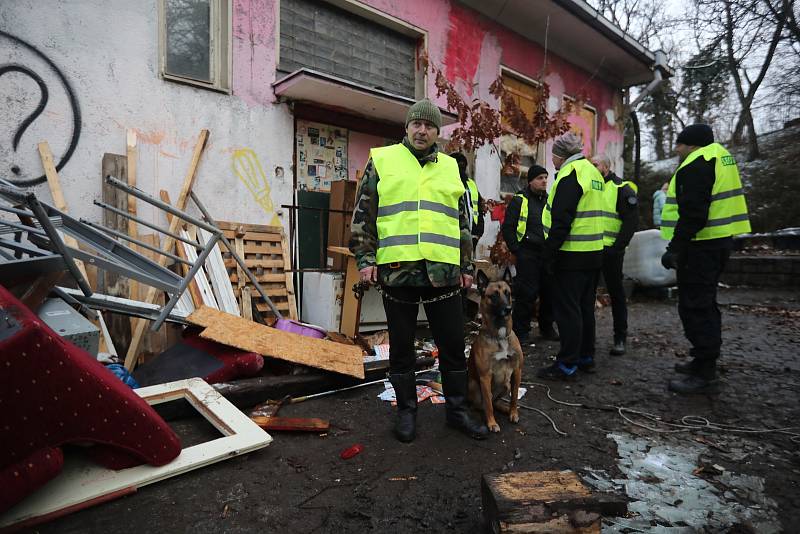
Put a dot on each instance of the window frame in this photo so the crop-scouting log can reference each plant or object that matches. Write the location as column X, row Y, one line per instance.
column 595, row 125
column 387, row 21
column 220, row 44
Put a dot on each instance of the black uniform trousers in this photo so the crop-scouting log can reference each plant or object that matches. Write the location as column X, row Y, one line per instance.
column 531, row 282
column 444, row 317
column 698, row 275
column 573, row 306
column 612, row 276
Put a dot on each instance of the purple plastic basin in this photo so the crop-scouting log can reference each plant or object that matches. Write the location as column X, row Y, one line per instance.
column 296, row 327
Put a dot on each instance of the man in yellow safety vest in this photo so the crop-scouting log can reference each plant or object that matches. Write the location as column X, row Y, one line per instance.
column 704, row 209
column 573, row 249
column 620, row 220
column 411, row 236
column 474, row 199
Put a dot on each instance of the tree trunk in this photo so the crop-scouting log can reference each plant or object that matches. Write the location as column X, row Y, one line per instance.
column 752, row 140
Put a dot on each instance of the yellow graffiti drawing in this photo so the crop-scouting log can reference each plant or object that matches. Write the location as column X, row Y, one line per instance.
column 248, row 169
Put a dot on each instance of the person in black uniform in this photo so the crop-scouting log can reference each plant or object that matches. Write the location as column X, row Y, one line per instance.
column 704, row 209
column 474, row 199
column 522, row 232
column 624, row 223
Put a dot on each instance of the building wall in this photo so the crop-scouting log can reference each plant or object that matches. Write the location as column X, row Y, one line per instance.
column 108, row 53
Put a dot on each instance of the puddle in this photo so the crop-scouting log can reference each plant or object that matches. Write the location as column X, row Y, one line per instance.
column 667, row 497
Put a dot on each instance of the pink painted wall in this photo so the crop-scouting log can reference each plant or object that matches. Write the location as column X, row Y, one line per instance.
column 467, row 46
column 254, row 54
column 358, row 146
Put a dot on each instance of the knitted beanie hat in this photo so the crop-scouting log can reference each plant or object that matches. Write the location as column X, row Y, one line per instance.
column 567, row 145
column 535, row 171
column 696, row 135
column 427, row 111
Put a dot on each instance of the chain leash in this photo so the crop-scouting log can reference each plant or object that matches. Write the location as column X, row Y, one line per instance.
column 360, row 286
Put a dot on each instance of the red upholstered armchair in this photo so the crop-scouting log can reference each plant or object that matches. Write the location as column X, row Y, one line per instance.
column 52, row 393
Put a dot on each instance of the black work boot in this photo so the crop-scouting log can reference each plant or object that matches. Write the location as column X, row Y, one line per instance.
column 703, row 380
column 405, row 389
column 687, row 368
column 454, row 386
column 619, row 346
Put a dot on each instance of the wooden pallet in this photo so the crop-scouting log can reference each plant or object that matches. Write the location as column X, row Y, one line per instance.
column 266, row 254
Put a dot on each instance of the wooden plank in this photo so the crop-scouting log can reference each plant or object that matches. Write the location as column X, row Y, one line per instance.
column 82, row 481
column 218, row 274
column 265, row 278
column 544, row 501
column 351, row 306
column 111, row 283
column 264, row 307
column 131, row 153
column 237, row 332
column 247, row 303
column 53, row 182
column 292, row 424
column 180, row 250
column 153, row 343
column 186, row 187
column 254, row 263
column 287, row 268
column 233, row 226
column 256, row 236
column 206, row 293
column 256, row 247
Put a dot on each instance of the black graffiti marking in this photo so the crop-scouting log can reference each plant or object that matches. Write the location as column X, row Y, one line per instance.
column 73, row 101
column 42, row 100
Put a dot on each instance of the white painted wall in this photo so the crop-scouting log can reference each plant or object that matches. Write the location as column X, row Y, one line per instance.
column 108, row 50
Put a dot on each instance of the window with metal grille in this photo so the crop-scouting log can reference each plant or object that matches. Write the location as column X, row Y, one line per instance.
column 325, row 38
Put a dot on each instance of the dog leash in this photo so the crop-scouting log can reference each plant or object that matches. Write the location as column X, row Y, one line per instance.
column 360, row 286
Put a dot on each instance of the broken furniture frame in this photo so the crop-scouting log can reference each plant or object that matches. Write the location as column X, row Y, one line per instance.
column 82, row 484
column 112, row 255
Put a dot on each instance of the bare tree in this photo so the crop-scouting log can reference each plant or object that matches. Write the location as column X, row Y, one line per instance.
column 749, row 42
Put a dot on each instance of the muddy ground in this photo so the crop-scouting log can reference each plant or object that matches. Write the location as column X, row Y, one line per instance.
column 300, row 484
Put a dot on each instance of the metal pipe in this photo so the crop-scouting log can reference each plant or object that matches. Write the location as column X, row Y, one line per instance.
column 55, row 240
column 155, row 227
column 236, row 257
column 186, row 280
column 23, row 227
column 142, row 244
column 138, row 193
column 658, row 78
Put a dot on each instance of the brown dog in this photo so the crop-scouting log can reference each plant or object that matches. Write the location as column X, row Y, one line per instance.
column 495, row 363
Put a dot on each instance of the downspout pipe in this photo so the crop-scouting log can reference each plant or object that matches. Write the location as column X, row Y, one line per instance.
column 660, row 67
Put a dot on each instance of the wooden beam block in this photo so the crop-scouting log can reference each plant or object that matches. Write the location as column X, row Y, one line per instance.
column 544, row 501
column 106, row 344
column 292, row 424
column 247, row 335
column 183, row 198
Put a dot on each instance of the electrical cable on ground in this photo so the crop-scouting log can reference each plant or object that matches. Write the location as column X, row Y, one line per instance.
column 687, row 423
column 553, row 423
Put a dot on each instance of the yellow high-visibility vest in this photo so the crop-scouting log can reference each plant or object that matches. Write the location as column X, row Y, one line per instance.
column 586, row 232
column 473, row 196
column 727, row 213
column 522, row 222
column 611, row 219
column 418, row 214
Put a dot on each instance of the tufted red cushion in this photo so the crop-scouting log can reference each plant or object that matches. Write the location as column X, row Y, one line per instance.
column 236, row 363
column 52, row 392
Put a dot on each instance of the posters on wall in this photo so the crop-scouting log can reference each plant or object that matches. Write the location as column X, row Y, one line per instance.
column 321, row 155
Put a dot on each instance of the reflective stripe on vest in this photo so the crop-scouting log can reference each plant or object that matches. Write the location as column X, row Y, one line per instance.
column 418, row 215
column 612, row 222
column 473, row 196
column 586, row 232
column 522, row 222
column 727, row 213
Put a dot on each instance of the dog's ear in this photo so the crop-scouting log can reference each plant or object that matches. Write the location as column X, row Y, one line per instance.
column 483, row 282
column 507, row 278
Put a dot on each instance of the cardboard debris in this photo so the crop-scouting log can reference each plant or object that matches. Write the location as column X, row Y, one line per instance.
column 247, row 335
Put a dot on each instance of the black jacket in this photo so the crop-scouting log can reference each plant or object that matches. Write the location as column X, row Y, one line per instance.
column 565, row 205
column 693, row 186
column 534, row 234
column 628, row 210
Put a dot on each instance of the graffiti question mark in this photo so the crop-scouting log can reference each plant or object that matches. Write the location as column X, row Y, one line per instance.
column 44, row 95
column 73, row 102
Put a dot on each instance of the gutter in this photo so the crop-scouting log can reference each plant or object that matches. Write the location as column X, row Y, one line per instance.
column 660, row 68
